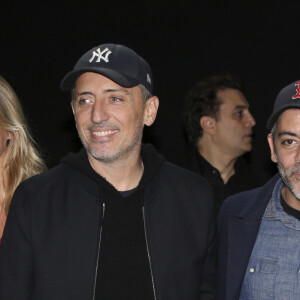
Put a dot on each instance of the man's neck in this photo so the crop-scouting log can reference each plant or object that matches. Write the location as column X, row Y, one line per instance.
column 289, row 198
column 123, row 174
column 220, row 160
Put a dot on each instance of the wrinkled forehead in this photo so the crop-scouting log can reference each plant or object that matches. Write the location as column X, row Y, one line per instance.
column 94, row 84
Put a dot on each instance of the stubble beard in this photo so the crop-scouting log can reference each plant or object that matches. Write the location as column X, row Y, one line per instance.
column 119, row 151
column 286, row 175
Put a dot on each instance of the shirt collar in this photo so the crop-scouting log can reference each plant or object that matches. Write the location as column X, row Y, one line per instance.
column 274, row 210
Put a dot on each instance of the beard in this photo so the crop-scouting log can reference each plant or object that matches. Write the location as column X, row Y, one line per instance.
column 286, row 175
column 122, row 150
column 119, row 152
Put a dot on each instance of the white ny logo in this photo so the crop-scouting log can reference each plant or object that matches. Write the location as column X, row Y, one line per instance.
column 148, row 78
column 99, row 55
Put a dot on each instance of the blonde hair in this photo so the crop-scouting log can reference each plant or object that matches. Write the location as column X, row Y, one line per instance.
column 22, row 159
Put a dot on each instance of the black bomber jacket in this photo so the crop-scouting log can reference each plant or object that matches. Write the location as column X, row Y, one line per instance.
column 51, row 241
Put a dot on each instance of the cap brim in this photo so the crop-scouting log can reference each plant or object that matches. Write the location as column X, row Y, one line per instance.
column 273, row 118
column 69, row 80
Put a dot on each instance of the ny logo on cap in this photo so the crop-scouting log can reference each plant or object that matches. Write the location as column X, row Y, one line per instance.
column 148, row 78
column 99, row 54
column 298, row 91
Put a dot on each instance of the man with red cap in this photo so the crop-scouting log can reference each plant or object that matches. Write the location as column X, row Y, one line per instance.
column 259, row 230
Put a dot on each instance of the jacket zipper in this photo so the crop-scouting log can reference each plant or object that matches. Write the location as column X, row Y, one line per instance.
column 149, row 255
column 97, row 262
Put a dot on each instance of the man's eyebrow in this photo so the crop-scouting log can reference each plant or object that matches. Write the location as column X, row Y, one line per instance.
column 84, row 93
column 240, row 107
column 120, row 90
column 286, row 133
column 117, row 90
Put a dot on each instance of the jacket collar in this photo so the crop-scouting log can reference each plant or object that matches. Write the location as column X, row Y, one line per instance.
column 242, row 232
column 255, row 209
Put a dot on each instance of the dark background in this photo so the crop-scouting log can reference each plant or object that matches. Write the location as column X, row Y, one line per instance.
column 182, row 41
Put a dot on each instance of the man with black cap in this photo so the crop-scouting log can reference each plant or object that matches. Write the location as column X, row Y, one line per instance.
column 260, row 229
column 115, row 220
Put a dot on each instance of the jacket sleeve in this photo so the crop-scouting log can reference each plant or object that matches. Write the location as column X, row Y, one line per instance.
column 208, row 284
column 16, row 264
column 222, row 250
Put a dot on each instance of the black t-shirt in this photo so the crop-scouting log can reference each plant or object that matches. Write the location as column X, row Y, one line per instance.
column 289, row 210
column 124, row 268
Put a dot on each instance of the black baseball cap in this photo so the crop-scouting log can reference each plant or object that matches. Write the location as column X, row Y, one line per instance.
column 288, row 97
column 117, row 62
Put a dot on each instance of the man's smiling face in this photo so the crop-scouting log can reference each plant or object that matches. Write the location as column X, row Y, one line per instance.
column 109, row 118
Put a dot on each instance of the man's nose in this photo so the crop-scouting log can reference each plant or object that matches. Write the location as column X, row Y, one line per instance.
column 297, row 158
column 99, row 112
column 251, row 121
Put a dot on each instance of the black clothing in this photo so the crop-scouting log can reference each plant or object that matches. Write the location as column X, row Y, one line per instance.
column 289, row 210
column 123, row 255
column 51, row 246
column 243, row 179
column 123, row 260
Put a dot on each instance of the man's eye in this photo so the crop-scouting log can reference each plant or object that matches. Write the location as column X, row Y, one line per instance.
column 240, row 113
column 288, row 142
column 115, row 99
column 84, row 101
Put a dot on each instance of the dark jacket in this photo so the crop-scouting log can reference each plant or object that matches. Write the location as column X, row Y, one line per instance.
column 51, row 241
column 238, row 225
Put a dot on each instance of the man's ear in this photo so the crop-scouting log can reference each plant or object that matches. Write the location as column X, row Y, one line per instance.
column 208, row 124
column 150, row 110
column 72, row 106
column 272, row 148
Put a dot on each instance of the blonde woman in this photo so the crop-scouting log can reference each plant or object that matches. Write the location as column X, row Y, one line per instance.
column 19, row 158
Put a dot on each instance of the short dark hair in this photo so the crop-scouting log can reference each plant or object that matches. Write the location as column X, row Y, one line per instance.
column 201, row 100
